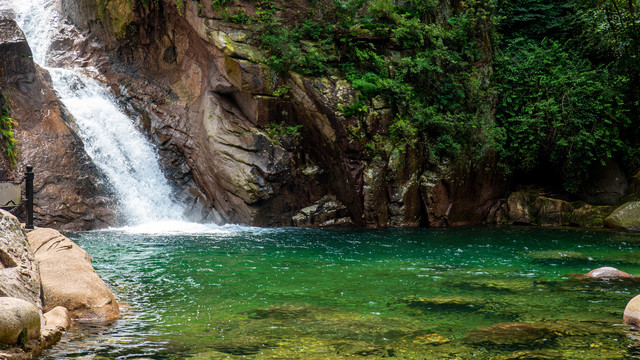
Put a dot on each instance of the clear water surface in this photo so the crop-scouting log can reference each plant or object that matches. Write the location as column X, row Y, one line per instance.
column 462, row 293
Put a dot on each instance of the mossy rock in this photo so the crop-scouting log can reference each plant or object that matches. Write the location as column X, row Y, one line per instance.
column 625, row 217
column 589, row 216
column 495, row 285
column 511, row 334
column 459, row 302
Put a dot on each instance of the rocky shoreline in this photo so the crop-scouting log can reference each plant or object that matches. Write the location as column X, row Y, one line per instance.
column 47, row 283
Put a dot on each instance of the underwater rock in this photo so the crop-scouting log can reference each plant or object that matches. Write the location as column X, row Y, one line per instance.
column 68, row 278
column 241, row 347
column 443, row 302
column 632, row 312
column 510, row 334
column 359, row 348
column 607, row 272
column 430, row 339
column 19, row 321
column 281, row 312
column 558, row 255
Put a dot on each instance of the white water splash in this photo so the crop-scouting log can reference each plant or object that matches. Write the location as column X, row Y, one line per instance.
column 112, row 141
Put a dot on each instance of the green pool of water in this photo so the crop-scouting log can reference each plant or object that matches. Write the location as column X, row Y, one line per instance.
column 462, row 293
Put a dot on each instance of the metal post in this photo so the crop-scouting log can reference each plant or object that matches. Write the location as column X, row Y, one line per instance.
column 29, row 193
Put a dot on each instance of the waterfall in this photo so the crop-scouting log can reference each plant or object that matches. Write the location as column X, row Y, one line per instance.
column 124, row 155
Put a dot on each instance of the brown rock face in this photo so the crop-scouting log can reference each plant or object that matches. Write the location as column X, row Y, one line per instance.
column 68, row 192
column 68, row 278
column 248, row 145
column 19, row 274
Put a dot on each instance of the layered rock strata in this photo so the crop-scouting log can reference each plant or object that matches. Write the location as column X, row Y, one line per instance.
column 252, row 146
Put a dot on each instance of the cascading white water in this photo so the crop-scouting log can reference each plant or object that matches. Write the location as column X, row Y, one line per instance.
column 111, row 140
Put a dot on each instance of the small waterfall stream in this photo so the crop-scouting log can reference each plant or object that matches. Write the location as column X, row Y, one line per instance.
column 122, row 153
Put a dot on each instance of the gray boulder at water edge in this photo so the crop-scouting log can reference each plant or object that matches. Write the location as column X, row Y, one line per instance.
column 625, row 217
column 19, row 321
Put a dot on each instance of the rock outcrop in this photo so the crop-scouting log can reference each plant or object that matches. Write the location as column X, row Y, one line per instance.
column 249, row 145
column 68, row 191
column 19, row 274
column 21, row 333
column 529, row 207
column 68, row 278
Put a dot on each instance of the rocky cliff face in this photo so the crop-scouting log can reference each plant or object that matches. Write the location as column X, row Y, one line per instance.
column 68, row 191
column 229, row 127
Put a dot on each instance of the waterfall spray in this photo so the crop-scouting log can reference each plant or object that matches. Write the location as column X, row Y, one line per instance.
column 122, row 153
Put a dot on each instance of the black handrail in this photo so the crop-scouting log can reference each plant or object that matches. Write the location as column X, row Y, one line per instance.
column 29, row 194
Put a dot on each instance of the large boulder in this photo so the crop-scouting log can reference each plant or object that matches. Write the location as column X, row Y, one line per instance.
column 528, row 207
column 19, row 321
column 19, row 275
column 632, row 312
column 625, row 217
column 68, row 278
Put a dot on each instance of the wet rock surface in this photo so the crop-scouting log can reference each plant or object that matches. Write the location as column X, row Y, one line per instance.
column 68, row 191
column 608, row 272
column 250, row 146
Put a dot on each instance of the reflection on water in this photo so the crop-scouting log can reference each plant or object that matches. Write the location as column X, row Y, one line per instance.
column 241, row 292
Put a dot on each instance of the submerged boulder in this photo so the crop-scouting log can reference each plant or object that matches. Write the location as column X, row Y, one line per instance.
column 625, row 217
column 607, row 272
column 68, row 278
column 510, row 334
column 19, row 321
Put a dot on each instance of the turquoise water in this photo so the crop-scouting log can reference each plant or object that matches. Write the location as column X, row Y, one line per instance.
column 482, row 293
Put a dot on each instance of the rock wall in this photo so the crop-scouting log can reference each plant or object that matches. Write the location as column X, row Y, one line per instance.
column 69, row 194
column 208, row 101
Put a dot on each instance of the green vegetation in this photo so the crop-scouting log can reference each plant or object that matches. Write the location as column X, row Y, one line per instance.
column 7, row 125
column 279, row 132
column 538, row 86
